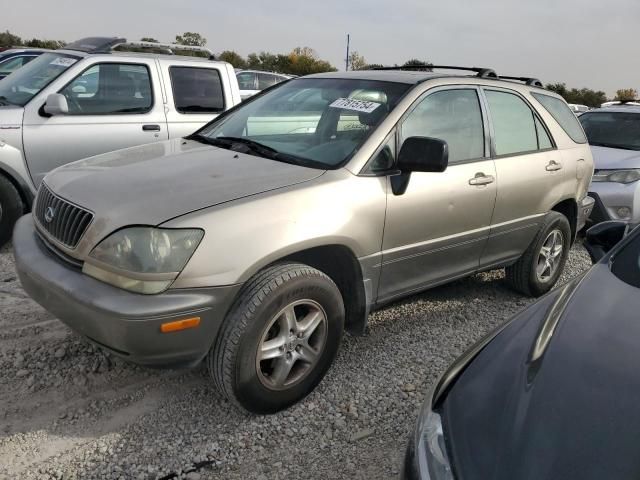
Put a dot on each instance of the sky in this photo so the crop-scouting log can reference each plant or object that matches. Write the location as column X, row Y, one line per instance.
column 584, row 43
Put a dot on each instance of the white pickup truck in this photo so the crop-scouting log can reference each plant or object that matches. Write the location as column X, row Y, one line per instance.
column 87, row 99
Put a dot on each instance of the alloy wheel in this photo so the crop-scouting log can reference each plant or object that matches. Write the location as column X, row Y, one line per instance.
column 550, row 256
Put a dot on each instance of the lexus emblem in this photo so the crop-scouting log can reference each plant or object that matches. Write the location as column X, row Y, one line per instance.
column 49, row 214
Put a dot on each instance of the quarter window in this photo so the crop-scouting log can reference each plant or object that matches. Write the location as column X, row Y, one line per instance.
column 110, row 88
column 513, row 123
column 544, row 142
column 197, row 90
column 562, row 114
column 453, row 116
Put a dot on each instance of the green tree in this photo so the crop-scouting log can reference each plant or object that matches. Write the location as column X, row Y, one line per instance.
column 357, row 61
column 414, row 62
column 8, row 39
column 373, row 66
column 149, row 39
column 626, row 94
column 51, row 44
column 583, row 96
column 233, row 58
column 191, row 38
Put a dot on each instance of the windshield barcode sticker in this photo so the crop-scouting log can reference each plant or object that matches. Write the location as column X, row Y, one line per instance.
column 355, row 105
column 63, row 61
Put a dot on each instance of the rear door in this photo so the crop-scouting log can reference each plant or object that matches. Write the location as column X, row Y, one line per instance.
column 530, row 173
column 112, row 105
column 196, row 93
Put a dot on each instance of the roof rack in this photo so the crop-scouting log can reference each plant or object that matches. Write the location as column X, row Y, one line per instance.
column 534, row 82
column 108, row 44
column 480, row 71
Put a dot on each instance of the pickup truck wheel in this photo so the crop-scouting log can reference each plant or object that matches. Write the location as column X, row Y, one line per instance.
column 11, row 208
column 279, row 338
column 539, row 268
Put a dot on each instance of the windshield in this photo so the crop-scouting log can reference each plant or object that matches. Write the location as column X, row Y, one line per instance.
column 26, row 82
column 612, row 129
column 315, row 122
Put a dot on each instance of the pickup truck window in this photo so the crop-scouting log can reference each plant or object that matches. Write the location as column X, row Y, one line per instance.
column 322, row 121
column 197, row 90
column 24, row 84
column 110, row 88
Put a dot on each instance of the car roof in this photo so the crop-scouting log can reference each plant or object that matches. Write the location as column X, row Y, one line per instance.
column 127, row 54
column 18, row 50
column 617, row 109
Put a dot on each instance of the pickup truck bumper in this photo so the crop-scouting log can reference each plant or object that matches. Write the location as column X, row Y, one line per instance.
column 127, row 324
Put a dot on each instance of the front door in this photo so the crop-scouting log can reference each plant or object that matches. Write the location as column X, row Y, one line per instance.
column 112, row 105
column 436, row 230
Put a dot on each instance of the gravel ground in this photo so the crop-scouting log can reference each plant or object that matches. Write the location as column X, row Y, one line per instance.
column 69, row 411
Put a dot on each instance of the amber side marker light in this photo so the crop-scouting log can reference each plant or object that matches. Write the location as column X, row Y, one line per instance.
column 180, row 325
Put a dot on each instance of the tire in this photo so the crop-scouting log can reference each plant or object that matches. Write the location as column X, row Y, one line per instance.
column 11, row 209
column 524, row 276
column 261, row 318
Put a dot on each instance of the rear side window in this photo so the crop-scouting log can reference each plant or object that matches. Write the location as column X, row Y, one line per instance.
column 513, row 123
column 110, row 88
column 197, row 90
column 453, row 116
column 562, row 114
column 246, row 80
column 266, row 80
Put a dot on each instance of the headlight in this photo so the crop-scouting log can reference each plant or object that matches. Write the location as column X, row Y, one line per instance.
column 142, row 259
column 617, row 176
column 431, row 452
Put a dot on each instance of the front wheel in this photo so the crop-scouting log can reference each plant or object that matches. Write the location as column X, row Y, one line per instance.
column 11, row 208
column 279, row 338
column 539, row 268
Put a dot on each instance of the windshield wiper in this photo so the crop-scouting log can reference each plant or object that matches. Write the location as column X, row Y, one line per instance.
column 257, row 148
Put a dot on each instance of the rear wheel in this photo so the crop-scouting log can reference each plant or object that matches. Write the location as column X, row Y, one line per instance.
column 539, row 268
column 279, row 339
column 11, row 208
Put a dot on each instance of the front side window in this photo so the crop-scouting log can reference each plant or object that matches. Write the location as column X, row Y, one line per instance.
column 612, row 129
column 26, row 82
column 318, row 122
column 246, row 80
column 562, row 114
column 513, row 123
column 110, row 88
column 453, row 116
column 197, row 90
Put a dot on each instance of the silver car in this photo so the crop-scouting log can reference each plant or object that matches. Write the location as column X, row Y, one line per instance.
column 614, row 135
column 254, row 243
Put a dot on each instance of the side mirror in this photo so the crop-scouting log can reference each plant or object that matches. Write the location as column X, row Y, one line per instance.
column 602, row 237
column 423, row 154
column 56, row 104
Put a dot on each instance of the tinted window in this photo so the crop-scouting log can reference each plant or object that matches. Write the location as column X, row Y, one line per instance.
column 561, row 112
column 266, row 80
column 246, row 80
column 544, row 142
column 197, row 90
column 110, row 88
column 513, row 123
column 612, row 129
column 453, row 116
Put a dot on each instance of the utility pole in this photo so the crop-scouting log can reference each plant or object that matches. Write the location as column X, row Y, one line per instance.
column 346, row 61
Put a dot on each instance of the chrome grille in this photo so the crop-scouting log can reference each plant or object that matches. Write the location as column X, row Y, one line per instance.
column 62, row 220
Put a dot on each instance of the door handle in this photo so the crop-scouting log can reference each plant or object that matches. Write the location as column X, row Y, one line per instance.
column 482, row 179
column 553, row 166
column 150, row 128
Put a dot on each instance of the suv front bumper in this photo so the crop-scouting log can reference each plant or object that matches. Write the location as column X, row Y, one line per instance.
column 125, row 323
column 613, row 198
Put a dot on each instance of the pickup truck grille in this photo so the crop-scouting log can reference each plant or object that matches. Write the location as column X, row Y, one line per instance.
column 63, row 221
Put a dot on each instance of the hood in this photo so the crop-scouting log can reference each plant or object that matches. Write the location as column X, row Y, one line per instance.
column 556, row 393
column 605, row 158
column 150, row 184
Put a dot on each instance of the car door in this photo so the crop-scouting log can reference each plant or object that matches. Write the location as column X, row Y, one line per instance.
column 530, row 173
column 197, row 95
column 437, row 228
column 112, row 105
